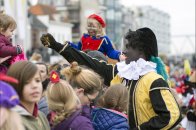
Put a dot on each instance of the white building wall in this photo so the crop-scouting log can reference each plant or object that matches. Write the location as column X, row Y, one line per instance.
column 158, row 21
column 44, row 19
column 61, row 31
column 88, row 7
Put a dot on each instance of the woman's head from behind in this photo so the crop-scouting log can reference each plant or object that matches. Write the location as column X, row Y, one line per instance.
column 29, row 87
column 115, row 97
column 85, row 82
column 61, row 99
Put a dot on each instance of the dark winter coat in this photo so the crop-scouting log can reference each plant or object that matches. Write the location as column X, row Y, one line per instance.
column 79, row 120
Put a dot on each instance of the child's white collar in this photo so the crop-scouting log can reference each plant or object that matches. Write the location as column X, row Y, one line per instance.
column 134, row 70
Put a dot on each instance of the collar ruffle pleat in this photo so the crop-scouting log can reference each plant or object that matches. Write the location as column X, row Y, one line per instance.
column 135, row 69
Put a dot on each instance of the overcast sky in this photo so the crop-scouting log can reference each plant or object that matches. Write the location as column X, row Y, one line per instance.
column 182, row 14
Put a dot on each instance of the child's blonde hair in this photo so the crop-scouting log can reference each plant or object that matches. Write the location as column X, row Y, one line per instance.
column 6, row 22
column 115, row 97
column 13, row 121
column 62, row 100
column 80, row 77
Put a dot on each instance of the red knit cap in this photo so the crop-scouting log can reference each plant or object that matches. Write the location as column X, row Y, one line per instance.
column 99, row 19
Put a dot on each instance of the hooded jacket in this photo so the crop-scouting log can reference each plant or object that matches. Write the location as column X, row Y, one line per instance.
column 31, row 122
column 106, row 119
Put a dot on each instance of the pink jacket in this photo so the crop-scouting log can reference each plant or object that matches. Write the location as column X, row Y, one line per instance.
column 6, row 47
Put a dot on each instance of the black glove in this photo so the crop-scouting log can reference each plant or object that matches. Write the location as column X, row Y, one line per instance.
column 48, row 40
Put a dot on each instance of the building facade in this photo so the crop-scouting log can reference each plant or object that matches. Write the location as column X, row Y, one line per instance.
column 75, row 12
column 158, row 21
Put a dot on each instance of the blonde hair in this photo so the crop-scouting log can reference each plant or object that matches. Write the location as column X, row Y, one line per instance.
column 115, row 97
column 80, row 77
column 6, row 22
column 13, row 121
column 36, row 57
column 100, row 31
column 62, row 100
column 55, row 67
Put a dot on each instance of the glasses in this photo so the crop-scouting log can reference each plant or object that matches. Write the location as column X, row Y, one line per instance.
column 92, row 101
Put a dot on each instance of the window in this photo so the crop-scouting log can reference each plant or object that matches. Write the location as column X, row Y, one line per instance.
column 118, row 16
column 102, row 2
column 110, row 3
column 1, row 3
column 110, row 14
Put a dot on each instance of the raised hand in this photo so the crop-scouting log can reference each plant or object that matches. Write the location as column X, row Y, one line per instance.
column 47, row 40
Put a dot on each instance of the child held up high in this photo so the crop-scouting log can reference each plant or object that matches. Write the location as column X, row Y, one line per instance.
column 7, row 27
column 96, row 39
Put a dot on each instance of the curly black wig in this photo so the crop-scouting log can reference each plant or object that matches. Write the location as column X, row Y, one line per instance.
column 144, row 40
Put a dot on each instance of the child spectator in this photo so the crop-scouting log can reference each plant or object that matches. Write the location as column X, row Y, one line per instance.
column 96, row 39
column 42, row 104
column 113, row 108
column 7, row 27
column 43, row 68
column 9, row 120
column 65, row 106
column 29, row 90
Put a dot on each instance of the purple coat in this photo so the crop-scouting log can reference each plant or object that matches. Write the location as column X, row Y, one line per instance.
column 6, row 47
column 79, row 120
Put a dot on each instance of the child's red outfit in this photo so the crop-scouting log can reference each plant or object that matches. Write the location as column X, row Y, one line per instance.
column 7, row 49
column 102, row 44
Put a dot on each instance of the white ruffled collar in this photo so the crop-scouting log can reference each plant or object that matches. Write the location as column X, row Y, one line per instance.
column 134, row 70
